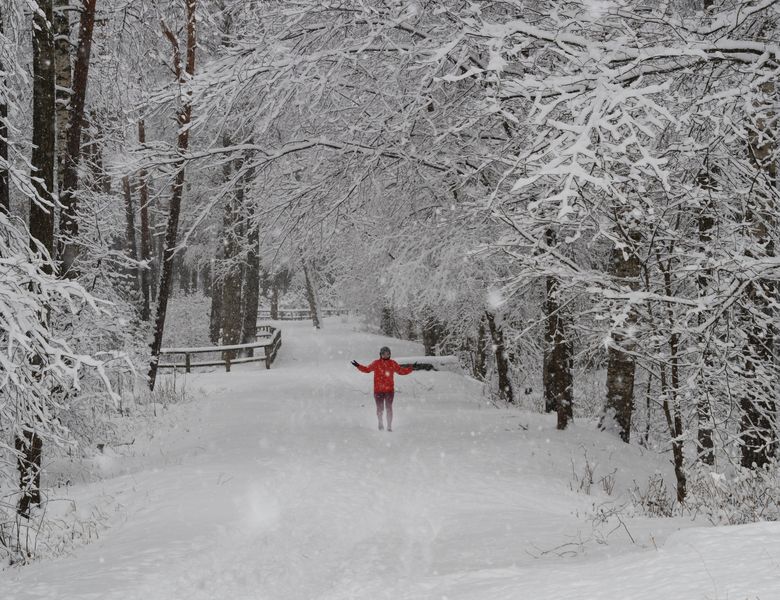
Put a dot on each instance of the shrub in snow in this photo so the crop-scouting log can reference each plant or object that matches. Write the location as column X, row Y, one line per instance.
column 740, row 496
column 655, row 499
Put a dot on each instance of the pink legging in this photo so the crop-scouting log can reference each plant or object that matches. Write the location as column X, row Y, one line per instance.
column 384, row 400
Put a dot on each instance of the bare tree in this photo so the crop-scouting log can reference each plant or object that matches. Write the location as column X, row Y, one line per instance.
column 131, row 247
column 67, row 250
column 183, row 72
column 146, row 255
column 5, row 184
column 29, row 444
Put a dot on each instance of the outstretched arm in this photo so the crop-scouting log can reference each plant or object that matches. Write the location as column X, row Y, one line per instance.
column 404, row 370
column 360, row 367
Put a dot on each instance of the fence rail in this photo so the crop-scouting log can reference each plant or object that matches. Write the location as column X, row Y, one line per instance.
column 271, row 342
column 300, row 314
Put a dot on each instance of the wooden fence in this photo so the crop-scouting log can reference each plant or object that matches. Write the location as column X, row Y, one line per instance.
column 300, row 314
column 271, row 342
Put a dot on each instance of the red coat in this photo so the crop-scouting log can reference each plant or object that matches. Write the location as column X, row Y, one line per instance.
column 383, row 369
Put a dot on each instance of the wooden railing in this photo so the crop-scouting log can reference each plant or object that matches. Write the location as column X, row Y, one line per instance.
column 300, row 314
column 271, row 342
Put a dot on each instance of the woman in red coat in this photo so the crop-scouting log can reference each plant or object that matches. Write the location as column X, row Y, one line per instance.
column 384, row 389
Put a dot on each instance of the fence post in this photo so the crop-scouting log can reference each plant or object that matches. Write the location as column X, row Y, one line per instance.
column 187, row 362
column 227, row 362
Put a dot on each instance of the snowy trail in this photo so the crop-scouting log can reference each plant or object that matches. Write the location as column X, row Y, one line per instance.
column 282, row 488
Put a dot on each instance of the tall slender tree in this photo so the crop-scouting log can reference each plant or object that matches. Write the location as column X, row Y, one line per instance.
column 184, row 71
column 63, row 81
column 143, row 199
column 621, row 366
column 131, row 246
column 29, row 443
column 67, row 250
column 251, row 293
column 5, row 183
column 759, row 407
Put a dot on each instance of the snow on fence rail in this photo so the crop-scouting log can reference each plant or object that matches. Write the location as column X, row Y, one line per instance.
column 300, row 314
column 271, row 342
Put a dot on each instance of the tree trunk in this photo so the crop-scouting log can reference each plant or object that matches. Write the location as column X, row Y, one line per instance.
column 143, row 199
column 5, row 183
column 758, row 428
column 411, row 329
column 29, row 449
column 28, row 443
column 184, row 118
column 311, row 294
column 131, row 248
column 182, row 271
column 252, row 280
column 619, row 406
column 706, row 222
column 558, row 359
column 274, row 300
column 63, row 82
column 387, row 321
column 674, row 423
column 157, row 253
column 505, row 391
column 480, row 358
column 670, row 393
column 43, row 135
column 207, row 281
column 215, row 317
column 67, row 250
column 231, row 285
column 194, row 278
column 430, row 334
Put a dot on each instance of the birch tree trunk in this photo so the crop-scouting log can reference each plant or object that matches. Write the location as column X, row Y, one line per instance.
column 184, row 117
column 505, row 391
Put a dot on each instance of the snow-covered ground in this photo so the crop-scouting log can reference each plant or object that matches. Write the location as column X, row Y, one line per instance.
column 277, row 485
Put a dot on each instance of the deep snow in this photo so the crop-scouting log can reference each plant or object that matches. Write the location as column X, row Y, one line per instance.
column 276, row 485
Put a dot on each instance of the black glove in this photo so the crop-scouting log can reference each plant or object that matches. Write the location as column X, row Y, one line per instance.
column 422, row 367
column 354, row 363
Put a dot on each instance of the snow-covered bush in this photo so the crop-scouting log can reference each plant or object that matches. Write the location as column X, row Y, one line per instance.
column 654, row 498
column 736, row 497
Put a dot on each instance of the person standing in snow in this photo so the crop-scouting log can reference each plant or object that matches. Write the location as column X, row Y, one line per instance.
column 384, row 388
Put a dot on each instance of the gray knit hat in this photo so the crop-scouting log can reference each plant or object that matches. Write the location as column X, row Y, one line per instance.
column 384, row 349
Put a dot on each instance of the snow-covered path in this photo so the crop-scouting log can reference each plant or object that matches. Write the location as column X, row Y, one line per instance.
column 280, row 487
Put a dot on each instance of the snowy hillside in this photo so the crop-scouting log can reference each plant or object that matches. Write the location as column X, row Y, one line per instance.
column 277, row 485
